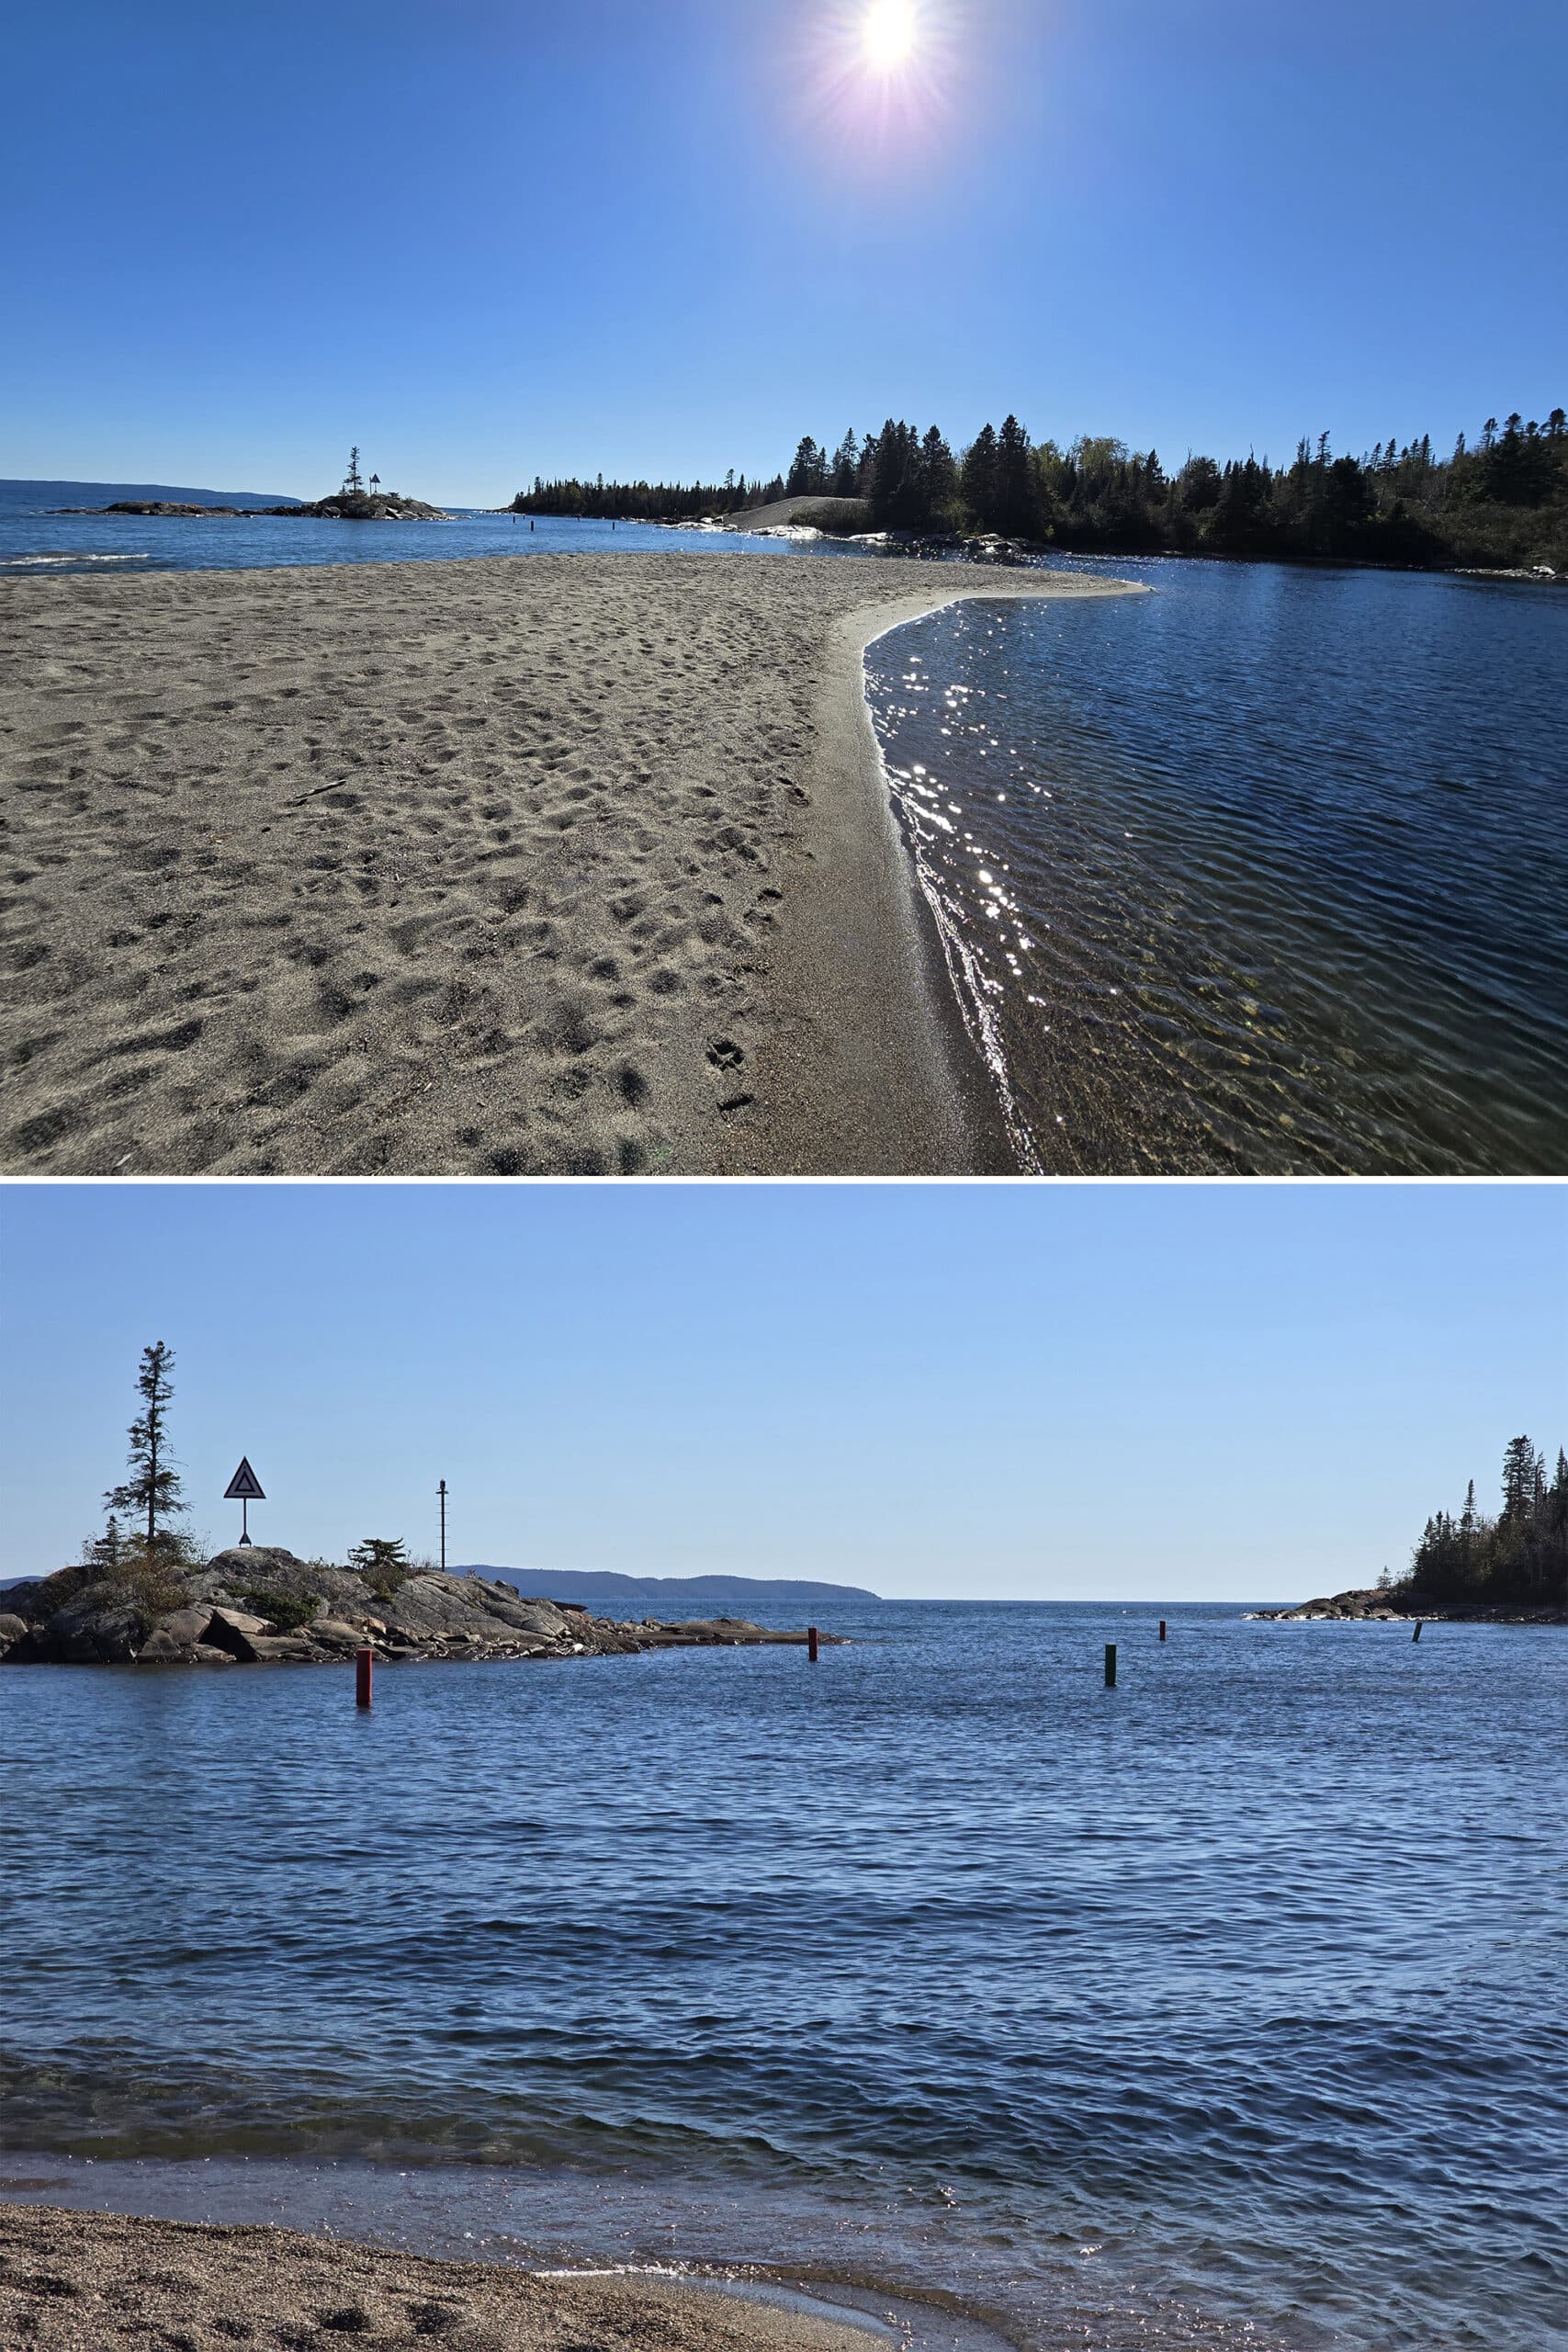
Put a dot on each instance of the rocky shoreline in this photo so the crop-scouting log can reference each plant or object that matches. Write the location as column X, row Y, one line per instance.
column 344, row 506
column 260, row 1605
column 1399, row 1605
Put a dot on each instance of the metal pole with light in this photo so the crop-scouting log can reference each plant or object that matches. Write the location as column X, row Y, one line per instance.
column 441, row 1490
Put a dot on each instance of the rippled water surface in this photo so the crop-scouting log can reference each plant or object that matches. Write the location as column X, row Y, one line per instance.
column 1235, row 1996
column 1267, row 871
column 35, row 541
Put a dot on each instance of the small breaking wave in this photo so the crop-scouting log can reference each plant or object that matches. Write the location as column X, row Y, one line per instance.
column 69, row 562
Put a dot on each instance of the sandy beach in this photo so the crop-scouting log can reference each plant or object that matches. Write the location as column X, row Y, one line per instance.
column 94, row 2282
column 573, row 864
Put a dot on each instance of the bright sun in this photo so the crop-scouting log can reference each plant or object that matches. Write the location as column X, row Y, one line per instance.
column 887, row 34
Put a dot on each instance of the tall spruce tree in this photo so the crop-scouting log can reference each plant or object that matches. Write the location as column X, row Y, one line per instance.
column 1016, row 510
column 152, row 1490
column 979, row 476
column 1522, row 1480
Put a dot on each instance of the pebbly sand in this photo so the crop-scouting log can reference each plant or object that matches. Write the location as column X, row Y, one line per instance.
column 576, row 865
column 98, row 2282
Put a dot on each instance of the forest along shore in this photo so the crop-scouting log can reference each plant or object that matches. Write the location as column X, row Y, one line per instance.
column 260, row 1605
column 583, row 866
column 107, row 2280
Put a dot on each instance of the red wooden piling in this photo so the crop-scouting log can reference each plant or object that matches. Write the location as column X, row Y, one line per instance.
column 362, row 1661
column 811, row 1645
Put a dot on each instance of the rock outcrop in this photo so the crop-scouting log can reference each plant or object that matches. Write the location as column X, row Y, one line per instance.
column 154, row 506
column 1399, row 1604
column 363, row 506
column 258, row 1604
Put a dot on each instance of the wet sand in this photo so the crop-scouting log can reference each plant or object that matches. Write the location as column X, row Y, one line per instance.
column 576, row 865
column 98, row 2282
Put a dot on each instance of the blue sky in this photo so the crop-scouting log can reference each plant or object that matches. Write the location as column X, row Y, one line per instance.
column 1128, row 1391
column 486, row 238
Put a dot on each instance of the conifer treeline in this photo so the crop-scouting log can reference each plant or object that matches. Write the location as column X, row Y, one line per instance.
column 1520, row 1556
column 1502, row 500
column 646, row 502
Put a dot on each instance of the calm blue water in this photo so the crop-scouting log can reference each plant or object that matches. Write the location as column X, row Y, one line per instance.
column 1234, row 1995
column 33, row 542
column 1267, row 872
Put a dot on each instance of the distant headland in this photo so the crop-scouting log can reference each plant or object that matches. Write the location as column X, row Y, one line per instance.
column 96, row 497
column 590, row 1584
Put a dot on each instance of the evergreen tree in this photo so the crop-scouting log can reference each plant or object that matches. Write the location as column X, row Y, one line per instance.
column 378, row 1551
column 805, row 476
column 939, row 469
column 1016, row 508
column 978, row 477
column 1522, row 1480
column 107, row 1551
column 154, row 1487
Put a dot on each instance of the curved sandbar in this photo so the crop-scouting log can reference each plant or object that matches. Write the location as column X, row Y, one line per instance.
column 870, row 1070
column 568, row 864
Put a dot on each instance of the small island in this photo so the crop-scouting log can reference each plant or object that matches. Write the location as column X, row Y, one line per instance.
column 356, row 502
column 259, row 1605
column 149, row 1597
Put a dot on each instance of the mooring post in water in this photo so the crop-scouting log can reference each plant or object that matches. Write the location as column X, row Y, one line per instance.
column 1416, row 1635
column 362, row 1677
column 1162, row 1628
column 1111, row 1666
column 811, row 1645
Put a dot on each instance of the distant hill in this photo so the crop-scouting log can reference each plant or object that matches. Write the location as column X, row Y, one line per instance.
column 581, row 1584
column 103, row 493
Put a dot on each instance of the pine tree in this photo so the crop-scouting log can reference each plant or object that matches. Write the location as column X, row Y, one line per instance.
column 378, row 1551
column 979, row 476
column 1523, row 1477
column 1015, row 510
column 939, row 471
column 154, row 1485
column 806, row 474
column 106, row 1551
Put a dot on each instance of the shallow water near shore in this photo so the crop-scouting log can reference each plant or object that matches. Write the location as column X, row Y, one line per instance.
column 1232, row 1998
column 36, row 541
column 1265, row 873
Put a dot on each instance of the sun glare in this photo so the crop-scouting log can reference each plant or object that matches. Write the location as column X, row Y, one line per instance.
column 887, row 34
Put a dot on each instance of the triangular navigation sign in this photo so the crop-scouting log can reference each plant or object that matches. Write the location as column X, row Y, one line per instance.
column 245, row 1485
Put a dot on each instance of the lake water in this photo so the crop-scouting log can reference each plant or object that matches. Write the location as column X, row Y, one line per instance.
column 33, row 540
column 1267, row 872
column 1229, row 2006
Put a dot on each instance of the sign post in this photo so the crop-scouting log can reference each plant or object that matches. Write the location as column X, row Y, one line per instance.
column 245, row 1487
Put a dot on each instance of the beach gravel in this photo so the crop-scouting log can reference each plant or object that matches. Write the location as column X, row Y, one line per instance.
column 107, row 2282
column 572, row 865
